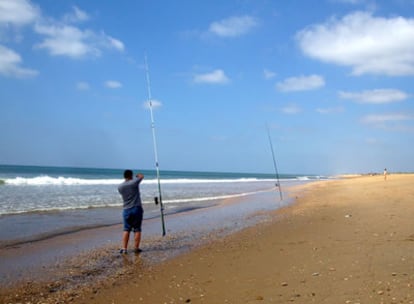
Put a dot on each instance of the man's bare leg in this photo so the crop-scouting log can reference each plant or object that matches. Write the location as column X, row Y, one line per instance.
column 137, row 238
column 125, row 240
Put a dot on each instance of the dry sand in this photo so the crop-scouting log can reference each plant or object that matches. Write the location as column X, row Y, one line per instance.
column 343, row 241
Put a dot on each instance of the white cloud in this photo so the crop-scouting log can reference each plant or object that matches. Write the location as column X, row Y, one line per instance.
column 68, row 40
column 301, row 83
column 10, row 64
column 291, row 109
column 155, row 104
column 392, row 122
column 112, row 84
column 215, row 77
column 233, row 26
column 18, row 12
column 268, row 74
column 59, row 37
column 82, row 86
column 378, row 96
column 367, row 44
column 114, row 43
column 383, row 118
column 77, row 15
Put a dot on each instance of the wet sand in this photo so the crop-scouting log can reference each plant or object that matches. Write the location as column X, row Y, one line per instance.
column 343, row 241
column 347, row 241
column 59, row 268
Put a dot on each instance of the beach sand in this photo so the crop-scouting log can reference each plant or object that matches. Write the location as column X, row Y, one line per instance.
column 342, row 241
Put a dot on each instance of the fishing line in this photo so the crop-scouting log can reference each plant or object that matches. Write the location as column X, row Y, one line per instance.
column 274, row 163
column 157, row 200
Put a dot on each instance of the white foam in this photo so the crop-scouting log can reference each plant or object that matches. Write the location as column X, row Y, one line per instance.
column 57, row 208
column 68, row 181
column 203, row 181
column 210, row 198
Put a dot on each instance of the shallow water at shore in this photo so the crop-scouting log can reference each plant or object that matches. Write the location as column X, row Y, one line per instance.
column 54, row 257
column 30, row 227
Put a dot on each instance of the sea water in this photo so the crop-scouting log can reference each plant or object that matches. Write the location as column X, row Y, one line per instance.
column 37, row 202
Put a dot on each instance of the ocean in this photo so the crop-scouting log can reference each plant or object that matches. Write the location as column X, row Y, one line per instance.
column 37, row 202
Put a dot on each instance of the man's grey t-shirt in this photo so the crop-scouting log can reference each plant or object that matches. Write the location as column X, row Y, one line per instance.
column 129, row 191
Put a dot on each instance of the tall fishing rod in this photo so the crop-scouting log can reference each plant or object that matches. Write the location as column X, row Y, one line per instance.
column 157, row 200
column 274, row 163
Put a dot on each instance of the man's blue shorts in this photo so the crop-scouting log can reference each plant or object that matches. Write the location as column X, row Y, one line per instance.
column 133, row 218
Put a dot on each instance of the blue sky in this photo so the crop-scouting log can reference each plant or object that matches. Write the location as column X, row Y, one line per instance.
column 331, row 78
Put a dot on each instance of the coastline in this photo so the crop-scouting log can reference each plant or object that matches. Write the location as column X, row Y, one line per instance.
column 342, row 241
column 62, row 265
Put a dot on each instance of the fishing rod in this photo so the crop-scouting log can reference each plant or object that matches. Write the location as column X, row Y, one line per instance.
column 157, row 200
column 274, row 163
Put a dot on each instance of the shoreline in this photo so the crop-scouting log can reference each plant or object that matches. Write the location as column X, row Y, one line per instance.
column 344, row 241
column 21, row 228
column 59, row 269
column 341, row 241
column 107, row 221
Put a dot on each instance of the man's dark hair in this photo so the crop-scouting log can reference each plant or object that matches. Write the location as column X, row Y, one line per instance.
column 128, row 174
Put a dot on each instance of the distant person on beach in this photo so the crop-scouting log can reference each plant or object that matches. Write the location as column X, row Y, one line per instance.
column 132, row 209
column 385, row 174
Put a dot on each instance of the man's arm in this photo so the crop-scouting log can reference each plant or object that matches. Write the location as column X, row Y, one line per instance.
column 140, row 177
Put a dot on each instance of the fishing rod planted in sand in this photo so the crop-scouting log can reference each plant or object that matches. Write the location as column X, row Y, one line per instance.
column 157, row 199
column 274, row 163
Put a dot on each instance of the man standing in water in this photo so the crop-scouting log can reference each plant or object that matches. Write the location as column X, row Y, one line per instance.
column 132, row 209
